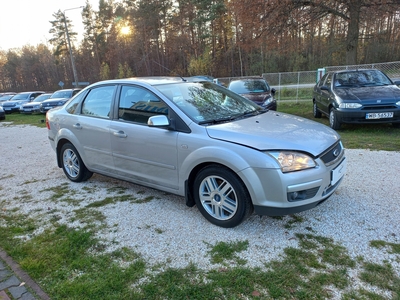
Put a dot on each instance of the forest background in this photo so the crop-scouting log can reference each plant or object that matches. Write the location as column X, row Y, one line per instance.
column 221, row 38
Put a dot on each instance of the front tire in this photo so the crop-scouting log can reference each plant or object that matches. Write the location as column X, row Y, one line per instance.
column 316, row 112
column 72, row 164
column 334, row 120
column 221, row 196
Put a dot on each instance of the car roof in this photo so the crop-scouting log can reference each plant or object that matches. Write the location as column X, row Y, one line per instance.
column 354, row 70
column 155, row 80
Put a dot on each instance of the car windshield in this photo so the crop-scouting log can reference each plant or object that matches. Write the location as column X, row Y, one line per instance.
column 61, row 94
column 206, row 102
column 5, row 97
column 21, row 96
column 42, row 97
column 249, row 86
column 361, row 78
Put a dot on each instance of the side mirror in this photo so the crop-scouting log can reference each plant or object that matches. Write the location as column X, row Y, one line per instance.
column 273, row 91
column 158, row 121
column 396, row 82
column 324, row 88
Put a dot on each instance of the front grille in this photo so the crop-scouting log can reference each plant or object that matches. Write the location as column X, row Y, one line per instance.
column 380, row 107
column 333, row 154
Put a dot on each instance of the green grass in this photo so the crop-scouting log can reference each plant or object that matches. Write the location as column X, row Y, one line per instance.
column 38, row 120
column 71, row 263
column 354, row 136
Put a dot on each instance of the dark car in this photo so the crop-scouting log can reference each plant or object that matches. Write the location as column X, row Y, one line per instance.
column 2, row 114
column 34, row 106
column 357, row 96
column 256, row 90
column 16, row 102
column 58, row 99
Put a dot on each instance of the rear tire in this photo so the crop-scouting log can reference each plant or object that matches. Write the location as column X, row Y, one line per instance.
column 334, row 120
column 221, row 196
column 396, row 125
column 72, row 164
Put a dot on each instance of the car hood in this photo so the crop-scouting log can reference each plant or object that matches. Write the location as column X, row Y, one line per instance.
column 30, row 103
column 54, row 100
column 12, row 103
column 258, row 98
column 277, row 131
column 386, row 94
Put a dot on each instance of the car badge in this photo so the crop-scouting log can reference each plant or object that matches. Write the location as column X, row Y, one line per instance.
column 378, row 101
column 336, row 152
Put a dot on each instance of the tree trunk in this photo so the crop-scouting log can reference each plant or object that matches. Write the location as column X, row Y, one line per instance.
column 353, row 33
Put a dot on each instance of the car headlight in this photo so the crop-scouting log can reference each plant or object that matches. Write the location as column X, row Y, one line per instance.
column 291, row 161
column 350, row 105
column 268, row 101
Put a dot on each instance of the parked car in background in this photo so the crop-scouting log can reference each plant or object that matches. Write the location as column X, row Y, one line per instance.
column 2, row 114
column 222, row 152
column 256, row 90
column 357, row 96
column 15, row 103
column 5, row 97
column 58, row 99
column 34, row 106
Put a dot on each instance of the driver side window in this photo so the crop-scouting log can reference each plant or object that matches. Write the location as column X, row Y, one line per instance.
column 137, row 104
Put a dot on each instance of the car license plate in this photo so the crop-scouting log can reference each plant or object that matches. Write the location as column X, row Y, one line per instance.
column 338, row 172
column 382, row 115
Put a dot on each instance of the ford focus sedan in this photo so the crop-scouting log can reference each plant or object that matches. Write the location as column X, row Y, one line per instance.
column 221, row 152
column 357, row 96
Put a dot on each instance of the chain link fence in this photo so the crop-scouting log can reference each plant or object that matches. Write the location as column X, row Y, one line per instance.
column 298, row 86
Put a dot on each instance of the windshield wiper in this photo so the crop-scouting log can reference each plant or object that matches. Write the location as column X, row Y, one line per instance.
column 235, row 117
column 217, row 121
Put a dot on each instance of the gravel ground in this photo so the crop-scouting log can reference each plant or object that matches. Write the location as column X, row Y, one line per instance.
column 365, row 207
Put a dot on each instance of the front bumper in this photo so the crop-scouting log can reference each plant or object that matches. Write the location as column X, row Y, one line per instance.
column 10, row 109
column 359, row 116
column 29, row 110
column 275, row 193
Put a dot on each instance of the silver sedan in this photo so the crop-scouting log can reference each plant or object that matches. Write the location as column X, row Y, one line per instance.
column 223, row 153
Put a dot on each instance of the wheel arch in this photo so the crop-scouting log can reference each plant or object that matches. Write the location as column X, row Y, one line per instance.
column 60, row 144
column 189, row 190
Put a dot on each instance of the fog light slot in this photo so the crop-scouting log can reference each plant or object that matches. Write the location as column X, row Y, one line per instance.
column 302, row 195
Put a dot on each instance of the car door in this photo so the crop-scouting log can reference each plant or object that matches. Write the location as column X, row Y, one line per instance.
column 325, row 93
column 91, row 126
column 143, row 154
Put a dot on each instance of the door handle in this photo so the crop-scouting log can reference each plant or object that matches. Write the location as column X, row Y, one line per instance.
column 120, row 134
column 77, row 126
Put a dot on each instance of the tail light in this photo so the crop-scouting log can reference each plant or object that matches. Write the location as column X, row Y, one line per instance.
column 47, row 122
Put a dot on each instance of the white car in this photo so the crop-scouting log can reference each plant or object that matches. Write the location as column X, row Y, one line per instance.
column 34, row 106
column 222, row 152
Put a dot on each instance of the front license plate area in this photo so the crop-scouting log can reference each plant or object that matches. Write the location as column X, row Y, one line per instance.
column 382, row 115
column 338, row 172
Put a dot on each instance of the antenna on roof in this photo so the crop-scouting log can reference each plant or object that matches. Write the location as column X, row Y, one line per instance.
column 183, row 79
